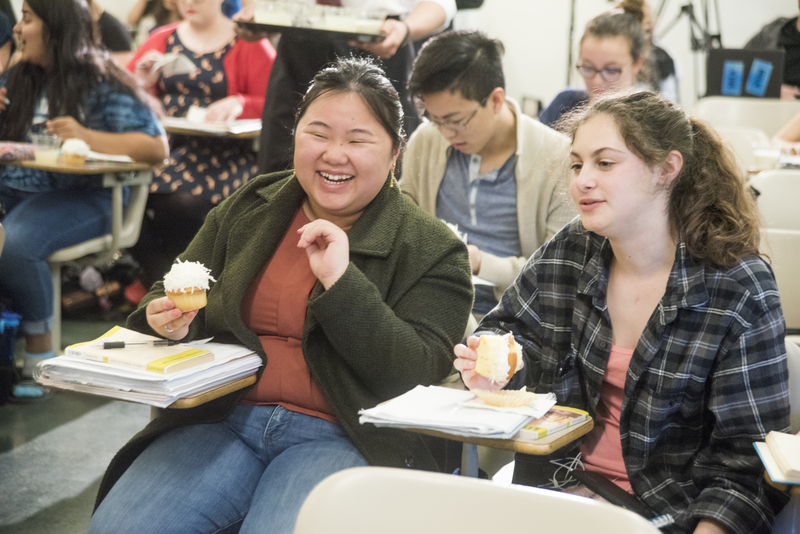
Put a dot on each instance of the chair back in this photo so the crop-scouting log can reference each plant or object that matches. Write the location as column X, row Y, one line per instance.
column 766, row 114
column 777, row 190
column 128, row 235
column 793, row 362
column 742, row 140
column 783, row 249
column 365, row 500
column 126, row 226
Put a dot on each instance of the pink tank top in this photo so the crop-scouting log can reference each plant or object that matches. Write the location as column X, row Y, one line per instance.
column 602, row 450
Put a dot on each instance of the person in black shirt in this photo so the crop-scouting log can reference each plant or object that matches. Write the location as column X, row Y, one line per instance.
column 114, row 37
column 782, row 33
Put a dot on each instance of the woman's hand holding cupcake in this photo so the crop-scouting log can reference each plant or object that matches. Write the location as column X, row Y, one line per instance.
column 185, row 285
column 167, row 320
column 466, row 358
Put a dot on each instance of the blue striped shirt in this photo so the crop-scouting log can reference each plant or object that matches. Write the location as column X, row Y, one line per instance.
column 484, row 206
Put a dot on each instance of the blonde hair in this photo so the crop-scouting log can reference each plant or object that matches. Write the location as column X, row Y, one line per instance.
column 709, row 207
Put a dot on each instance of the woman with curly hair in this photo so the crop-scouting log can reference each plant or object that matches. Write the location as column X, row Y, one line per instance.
column 654, row 312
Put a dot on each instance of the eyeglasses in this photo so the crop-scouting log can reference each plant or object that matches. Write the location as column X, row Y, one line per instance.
column 459, row 125
column 608, row 74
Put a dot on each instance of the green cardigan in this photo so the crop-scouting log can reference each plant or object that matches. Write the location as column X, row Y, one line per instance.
column 388, row 324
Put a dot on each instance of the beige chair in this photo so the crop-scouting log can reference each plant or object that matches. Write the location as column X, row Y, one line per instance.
column 777, row 190
column 766, row 114
column 742, row 140
column 125, row 227
column 783, row 248
column 777, row 193
column 793, row 361
column 366, row 500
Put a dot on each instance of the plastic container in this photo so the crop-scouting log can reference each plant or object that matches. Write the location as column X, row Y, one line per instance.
column 9, row 324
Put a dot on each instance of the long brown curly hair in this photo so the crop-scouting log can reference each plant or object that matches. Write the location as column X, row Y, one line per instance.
column 709, row 207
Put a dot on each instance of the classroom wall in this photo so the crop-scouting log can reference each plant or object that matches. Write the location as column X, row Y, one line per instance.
column 535, row 34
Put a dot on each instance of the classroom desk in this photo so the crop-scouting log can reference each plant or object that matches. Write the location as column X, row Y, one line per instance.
column 202, row 398
column 116, row 175
column 542, row 446
column 230, row 387
column 112, row 174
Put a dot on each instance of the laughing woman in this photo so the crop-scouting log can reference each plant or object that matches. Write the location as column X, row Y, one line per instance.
column 65, row 85
column 350, row 294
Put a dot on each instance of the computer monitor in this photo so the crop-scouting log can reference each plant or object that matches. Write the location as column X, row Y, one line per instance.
column 750, row 73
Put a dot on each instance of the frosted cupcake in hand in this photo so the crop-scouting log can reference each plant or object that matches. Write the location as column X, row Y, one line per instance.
column 186, row 285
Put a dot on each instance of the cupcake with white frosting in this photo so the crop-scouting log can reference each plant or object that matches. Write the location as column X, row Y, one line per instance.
column 186, row 285
column 74, row 151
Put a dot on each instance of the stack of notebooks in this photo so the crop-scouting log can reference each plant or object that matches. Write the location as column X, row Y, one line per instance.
column 127, row 365
column 455, row 412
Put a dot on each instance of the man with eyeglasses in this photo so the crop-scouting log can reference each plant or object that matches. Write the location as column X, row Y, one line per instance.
column 480, row 164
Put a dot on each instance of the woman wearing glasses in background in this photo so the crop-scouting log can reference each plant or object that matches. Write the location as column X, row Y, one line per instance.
column 612, row 52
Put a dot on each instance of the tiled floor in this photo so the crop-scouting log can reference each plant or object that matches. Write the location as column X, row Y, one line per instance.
column 52, row 454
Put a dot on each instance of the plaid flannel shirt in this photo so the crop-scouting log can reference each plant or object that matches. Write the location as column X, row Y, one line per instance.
column 707, row 379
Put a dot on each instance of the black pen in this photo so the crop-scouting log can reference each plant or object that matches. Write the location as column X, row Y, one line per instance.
column 123, row 344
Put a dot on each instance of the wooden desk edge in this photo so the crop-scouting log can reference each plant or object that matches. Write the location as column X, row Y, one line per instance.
column 250, row 134
column 538, row 447
column 90, row 167
column 197, row 400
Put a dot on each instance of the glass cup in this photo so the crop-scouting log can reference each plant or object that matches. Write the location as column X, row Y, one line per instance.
column 274, row 12
column 339, row 19
column 370, row 21
column 46, row 148
column 765, row 157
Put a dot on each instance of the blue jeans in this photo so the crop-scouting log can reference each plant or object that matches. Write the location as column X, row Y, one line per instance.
column 250, row 473
column 38, row 224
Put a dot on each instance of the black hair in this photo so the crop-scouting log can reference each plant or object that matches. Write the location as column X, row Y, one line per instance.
column 75, row 64
column 362, row 76
column 8, row 9
column 467, row 62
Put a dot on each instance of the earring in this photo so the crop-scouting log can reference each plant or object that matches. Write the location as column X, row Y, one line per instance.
column 391, row 180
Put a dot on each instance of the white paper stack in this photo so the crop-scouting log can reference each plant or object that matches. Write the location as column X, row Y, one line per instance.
column 453, row 411
column 240, row 126
column 231, row 362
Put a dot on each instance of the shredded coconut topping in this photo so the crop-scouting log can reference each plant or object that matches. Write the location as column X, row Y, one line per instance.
column 75, row 146
column 187, row 275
